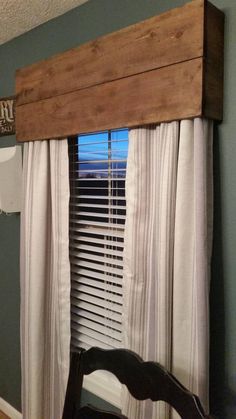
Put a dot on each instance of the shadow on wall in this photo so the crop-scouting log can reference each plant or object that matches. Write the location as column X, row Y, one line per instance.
column 217, row 299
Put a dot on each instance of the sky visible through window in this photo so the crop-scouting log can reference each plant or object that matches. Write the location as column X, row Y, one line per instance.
column 98, row 148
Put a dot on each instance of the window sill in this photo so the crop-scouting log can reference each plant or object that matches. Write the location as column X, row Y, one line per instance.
column 104, row 385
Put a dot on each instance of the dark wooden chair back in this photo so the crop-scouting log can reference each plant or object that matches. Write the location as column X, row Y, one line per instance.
column 144, row 380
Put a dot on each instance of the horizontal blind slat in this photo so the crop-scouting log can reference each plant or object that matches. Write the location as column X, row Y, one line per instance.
column 76, row 273
column 97, row 327
column 94, row 334
column 83, row 314
column 96, row 234
column 105, row 261
column 97, row 161
column 98, row 284
column 97, row 180
column 101, row 311
column 105, row 295
column 98, row 215
column 74, row 239
column 98, row 142
column 99, row 171
column 89, row 265
column 99, row 232
column 80, row 204
column 104, row 225
column 83, row 341
column 104, row 197
column 103, row 250
column 109, row 305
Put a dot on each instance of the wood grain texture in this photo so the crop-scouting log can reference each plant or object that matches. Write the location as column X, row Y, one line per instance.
column 213, row 62
column 166, row 68
column 157, row 42
column 165, row 94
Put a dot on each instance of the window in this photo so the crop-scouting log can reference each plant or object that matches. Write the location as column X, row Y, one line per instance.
column 97, row 218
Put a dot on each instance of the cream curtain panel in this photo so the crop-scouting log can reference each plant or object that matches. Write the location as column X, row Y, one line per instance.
column 167, row 254
column 45, row 279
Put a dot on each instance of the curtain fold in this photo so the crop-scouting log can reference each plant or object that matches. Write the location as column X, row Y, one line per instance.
column 167, row 253
column 45, row 279
column 192, row 255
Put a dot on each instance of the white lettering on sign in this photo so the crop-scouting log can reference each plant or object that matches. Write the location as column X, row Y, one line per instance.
column 7, row 116
column 6, row 111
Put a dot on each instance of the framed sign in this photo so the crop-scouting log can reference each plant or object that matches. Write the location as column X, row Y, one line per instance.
column 7, row 116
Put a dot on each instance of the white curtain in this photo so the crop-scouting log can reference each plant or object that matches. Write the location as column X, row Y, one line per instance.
column 45, row 279
column 167, row 254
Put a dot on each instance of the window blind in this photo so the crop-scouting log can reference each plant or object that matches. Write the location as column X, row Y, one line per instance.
column 97, row 218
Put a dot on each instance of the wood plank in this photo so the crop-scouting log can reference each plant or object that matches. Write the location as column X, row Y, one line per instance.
column 165, row 68
column 213, row 63
column 169, row 38
column 165, row 94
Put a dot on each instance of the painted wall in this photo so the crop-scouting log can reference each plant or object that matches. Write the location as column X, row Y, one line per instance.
column 95, row 18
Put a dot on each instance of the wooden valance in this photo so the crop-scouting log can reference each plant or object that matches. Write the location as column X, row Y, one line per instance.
column 168, row 67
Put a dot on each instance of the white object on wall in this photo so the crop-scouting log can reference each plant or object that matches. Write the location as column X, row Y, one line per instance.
column 10, row 179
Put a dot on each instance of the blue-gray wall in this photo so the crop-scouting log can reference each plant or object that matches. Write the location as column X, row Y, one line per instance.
column 95, row 18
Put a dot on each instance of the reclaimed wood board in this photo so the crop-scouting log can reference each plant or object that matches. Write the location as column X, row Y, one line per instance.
column 165, row 68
